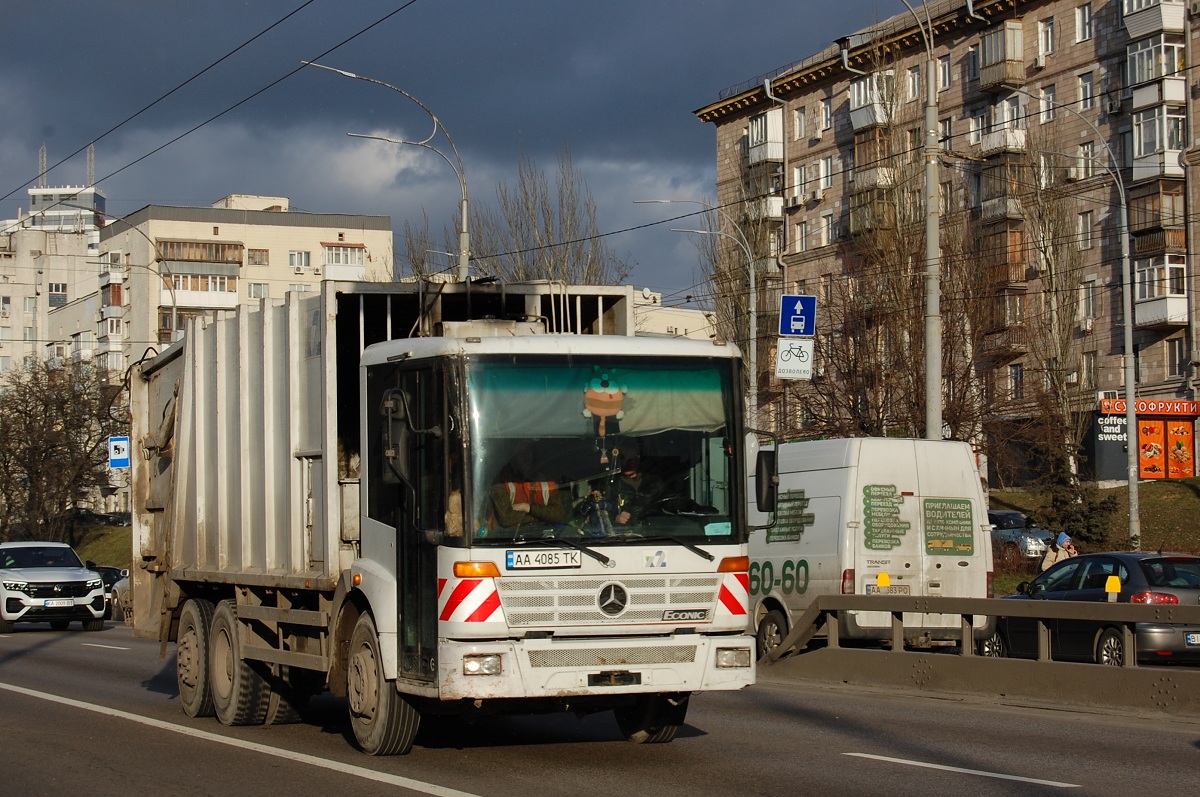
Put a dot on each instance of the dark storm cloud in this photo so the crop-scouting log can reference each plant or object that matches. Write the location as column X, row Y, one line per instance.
column 616, row 82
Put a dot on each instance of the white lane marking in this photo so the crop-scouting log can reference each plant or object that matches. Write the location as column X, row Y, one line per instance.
column 980, row 772
column 347, row 769
column 106, row 647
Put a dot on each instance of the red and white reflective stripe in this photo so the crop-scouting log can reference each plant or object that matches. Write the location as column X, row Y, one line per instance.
column 734, row 597
column 471, row 600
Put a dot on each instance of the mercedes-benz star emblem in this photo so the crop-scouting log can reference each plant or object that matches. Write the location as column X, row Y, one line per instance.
column 612, row 599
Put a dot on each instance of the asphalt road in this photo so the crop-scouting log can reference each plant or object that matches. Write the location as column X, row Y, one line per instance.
column 99, row 714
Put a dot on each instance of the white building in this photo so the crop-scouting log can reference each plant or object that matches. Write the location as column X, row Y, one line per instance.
column 652, row 318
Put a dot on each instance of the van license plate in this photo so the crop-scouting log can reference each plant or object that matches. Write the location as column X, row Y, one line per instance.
column 895, row 589
column 58, row 603
column 1192, row 639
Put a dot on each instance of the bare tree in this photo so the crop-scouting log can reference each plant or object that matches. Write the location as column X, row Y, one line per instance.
column 543, row 231
column 55, row 421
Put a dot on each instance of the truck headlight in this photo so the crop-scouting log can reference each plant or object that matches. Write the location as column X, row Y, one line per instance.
column 17, row 586
column 95, row 583
column 733, row 658
column 482, row 664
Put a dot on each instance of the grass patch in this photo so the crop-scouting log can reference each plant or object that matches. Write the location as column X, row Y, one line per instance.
column 108, row 545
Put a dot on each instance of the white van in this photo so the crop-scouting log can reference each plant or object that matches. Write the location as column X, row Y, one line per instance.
column 850, row 510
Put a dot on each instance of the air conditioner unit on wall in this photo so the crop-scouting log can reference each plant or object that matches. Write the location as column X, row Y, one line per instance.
column 815, row 195
column 793, row 201
column 1101, row 395
column 1087, row 324
column 317, row 270
column 1113, row 105
column 298, row 269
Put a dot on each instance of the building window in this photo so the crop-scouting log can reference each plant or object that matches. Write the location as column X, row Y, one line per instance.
column 300, row 288
column 31, row 304
column 1085, row 160
column 1016, row 381
column 945, row 73
column 1087, row 299
column 198, row 252
column 945, row 132
column 1177, row 359
column 975, row 125
column 1090, row 374
column 1086, row 224
column 828, row 235
column 972, row 62
column 826, row 168
column 800, row 123
column 1157, row 129
column 1087, row 92
column 58, row 293
column 209, row 283
column 826, row 113
column 1046, row 36
column 1155, row 57
column 1048, row 103
column 800, row 179
column 1007, row 114
column 298, row 259
column 346, row 255
column 258, row 290
column 802, row 236
column 257, row 257
column 1083, row 22
column 1161, row 275
column 914, row 83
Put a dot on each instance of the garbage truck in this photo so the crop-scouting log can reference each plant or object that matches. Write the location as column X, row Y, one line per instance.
column 418, row 497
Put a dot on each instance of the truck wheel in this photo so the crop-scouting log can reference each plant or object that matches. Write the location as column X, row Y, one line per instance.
column 286, row 700
column 654, row 719
column 94, row 624
column 384, row 722
column 1110, row 649
column 239, row 693
column 191, row 658
column 771, row 632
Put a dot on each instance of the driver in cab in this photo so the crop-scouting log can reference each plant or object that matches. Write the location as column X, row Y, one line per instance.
column 637, row 492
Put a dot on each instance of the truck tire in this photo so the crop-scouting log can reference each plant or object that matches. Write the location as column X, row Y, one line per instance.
column 239, row 692
column 384, row 722
column 286, row 700
column 771, row 632
column 654, row 719
column 191, row 658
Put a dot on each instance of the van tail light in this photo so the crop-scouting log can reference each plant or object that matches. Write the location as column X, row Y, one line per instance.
column 1153, row 597
column 991, row 584
column 848, row 582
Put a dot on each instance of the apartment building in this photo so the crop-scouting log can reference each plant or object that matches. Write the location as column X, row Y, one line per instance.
column 161, row 265
column 1064, row 130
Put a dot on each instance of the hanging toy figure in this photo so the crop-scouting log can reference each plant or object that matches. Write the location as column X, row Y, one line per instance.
column 604, row 398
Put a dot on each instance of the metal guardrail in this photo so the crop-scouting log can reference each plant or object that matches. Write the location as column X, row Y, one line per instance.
column 1161, row 689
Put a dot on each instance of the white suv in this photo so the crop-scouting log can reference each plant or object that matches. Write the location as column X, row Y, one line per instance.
column 44, row 582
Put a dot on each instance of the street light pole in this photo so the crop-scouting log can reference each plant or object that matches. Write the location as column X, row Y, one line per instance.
column 1131, row 430
column 464, row 241
column 933, row 244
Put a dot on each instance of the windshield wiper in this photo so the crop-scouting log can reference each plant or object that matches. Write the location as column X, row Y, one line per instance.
column 696, row 549
column 563, row 542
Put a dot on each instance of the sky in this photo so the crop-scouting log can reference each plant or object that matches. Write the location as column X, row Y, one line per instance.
column 615, row 82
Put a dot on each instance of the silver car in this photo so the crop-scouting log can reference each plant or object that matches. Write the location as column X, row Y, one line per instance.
column 44, row 582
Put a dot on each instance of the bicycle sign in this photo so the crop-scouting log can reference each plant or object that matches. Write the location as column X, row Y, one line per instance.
column 794, row 358
column 798, row 315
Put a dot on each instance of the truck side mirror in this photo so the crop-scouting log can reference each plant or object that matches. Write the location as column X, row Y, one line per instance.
column 766, row 481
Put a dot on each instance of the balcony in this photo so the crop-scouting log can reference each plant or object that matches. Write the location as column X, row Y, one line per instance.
column 1166, row 16
column 1172, row 89
column 1001, row 207
column 1006, row 139
column 1168, row 240
column 358, row 273
column 112, row 311
column 1165, row 163
column 1007, row 275
column 1002, row 76
column 767, row 207
column 207, row 300
column 764, row 137
column 1162, row 311
column 1008, row 343
column 870, row 98
column 874, row 177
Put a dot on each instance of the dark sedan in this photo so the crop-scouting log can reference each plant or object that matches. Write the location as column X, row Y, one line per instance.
column 1153, row 578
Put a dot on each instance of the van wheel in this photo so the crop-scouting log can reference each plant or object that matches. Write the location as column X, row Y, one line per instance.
column 1110, row 649
column 191, row 658
column 384, row 722
column 771, row 632
column 653, row 719
column 240, row 694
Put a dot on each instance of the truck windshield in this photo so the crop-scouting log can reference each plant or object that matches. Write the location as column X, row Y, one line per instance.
column 603, row 452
